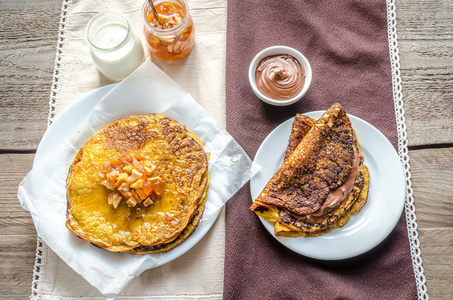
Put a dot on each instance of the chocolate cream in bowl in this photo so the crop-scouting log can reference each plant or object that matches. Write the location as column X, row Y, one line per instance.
column 280, row 77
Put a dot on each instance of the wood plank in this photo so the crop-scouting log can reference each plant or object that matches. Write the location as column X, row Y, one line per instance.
column 27, row 52
column 17, row 232
column 17, row 254
column 432, row 170
column 432, row 173
column 14, row 220
column 425, row 43
column 436, row 246
column 427, row 83
column 424, row 19
column 28, row 38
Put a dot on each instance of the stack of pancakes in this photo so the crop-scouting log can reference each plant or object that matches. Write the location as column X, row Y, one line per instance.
column 173, row 154
column 322, row 180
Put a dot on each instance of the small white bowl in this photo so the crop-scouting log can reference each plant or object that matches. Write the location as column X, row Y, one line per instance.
column 280, row 50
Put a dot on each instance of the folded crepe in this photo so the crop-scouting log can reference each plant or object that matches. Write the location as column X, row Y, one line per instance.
column 322, row 180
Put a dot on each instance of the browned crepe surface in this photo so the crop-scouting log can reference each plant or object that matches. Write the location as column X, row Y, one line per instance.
column 301, row 125
column 333, row 127
column 321, row 162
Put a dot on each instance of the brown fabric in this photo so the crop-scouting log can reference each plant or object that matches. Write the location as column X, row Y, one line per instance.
column 346, row 43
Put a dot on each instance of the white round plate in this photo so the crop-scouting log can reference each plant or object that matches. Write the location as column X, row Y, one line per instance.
column 67, row 122
column 376, row 219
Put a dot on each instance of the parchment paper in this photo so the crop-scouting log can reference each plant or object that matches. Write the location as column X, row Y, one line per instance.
column 43, row 190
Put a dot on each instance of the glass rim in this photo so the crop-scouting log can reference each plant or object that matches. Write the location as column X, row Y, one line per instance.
column 96, row 17
column 146, row 8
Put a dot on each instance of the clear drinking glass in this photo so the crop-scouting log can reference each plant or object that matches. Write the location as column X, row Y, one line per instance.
column 115, row 49
column 173, row 39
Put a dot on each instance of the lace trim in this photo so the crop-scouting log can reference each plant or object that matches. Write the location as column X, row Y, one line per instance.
column 411, row 218
column 41, row 250
column 61, row 47
column 36, row 286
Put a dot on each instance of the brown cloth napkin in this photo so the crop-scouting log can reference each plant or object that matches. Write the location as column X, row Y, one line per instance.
column 346, row 43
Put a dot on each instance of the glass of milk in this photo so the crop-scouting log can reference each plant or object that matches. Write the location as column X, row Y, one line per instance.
column 115, row 50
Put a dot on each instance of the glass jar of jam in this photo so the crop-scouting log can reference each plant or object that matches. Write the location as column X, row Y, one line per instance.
column 171, row 37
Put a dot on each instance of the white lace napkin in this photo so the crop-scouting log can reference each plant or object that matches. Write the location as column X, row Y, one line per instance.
column 198, row 274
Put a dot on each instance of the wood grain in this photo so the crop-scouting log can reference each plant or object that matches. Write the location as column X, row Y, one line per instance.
column 431, row 171
column 14, row 220
column 17, row 258
column 425, row 42
column 28, row 37
column 437, row 254
column 425, row 39
column 18, row 234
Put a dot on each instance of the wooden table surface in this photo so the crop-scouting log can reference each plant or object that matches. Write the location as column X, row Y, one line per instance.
column 28, row 34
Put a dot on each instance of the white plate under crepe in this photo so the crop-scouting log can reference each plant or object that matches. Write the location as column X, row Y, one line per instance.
column 376, row 219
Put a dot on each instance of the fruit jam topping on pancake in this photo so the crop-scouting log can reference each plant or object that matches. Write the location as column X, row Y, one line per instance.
column 139, row 185
column 132, row 178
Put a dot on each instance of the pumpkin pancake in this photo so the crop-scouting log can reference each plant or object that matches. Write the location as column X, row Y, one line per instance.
column 321, row 181
column 139, row 185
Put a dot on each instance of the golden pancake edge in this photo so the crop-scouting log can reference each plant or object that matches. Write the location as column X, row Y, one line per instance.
column 139, row 185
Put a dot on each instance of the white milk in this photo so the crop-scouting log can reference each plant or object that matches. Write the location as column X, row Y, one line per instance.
column 114, row 48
